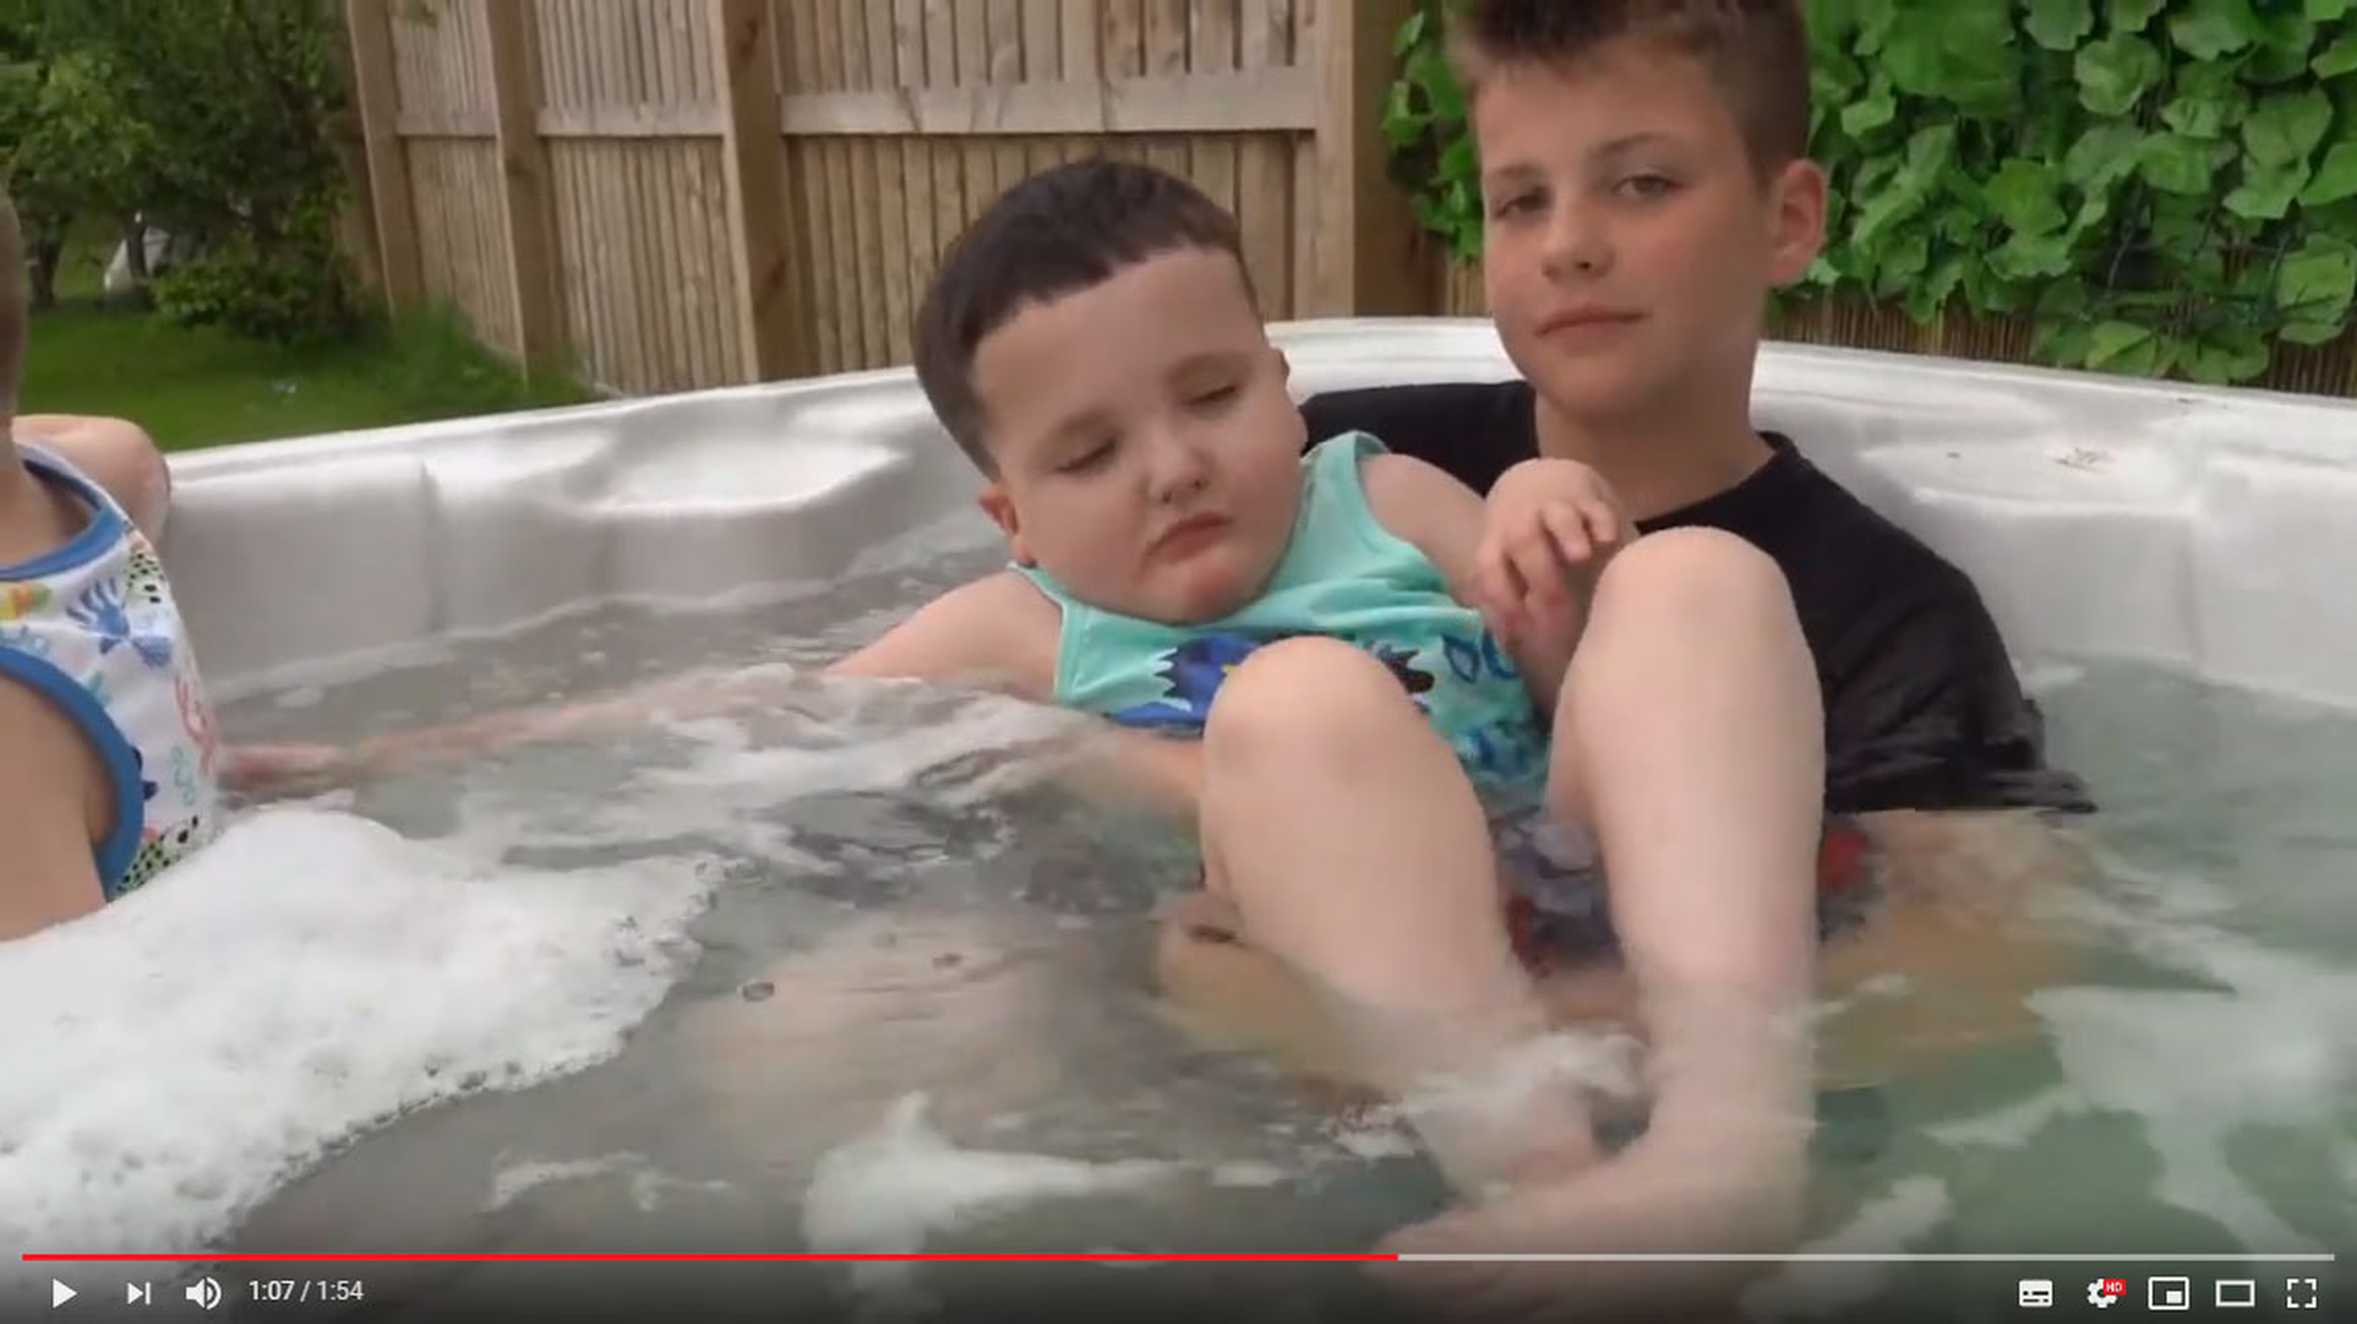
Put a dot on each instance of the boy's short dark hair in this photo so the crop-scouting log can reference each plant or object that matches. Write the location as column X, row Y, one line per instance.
column 1756, row 52
column 1056, row 233
column 12, row 307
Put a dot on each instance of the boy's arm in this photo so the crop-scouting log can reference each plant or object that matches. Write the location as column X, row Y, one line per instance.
column 998, row 631
column 1003, row 633
column 116, row 453
column 46, row 774
column 1441, row 517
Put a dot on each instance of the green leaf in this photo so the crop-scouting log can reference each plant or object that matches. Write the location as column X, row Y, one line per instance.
column 1462, row 161
column 2116, row 72
column 2225, row 357
column 1877, row 108
column 2132, row 15
column 1930, row 294
column 2335, row 179
column 2325, row 11
column 2212, row 28
column 2338, row 58
column 2209, row 101
column 1410, row 34
column 2174, row 163
column 2103, row 154
column 2318, row 282
column 2304, row 332
column 2057, row 25
column 2270, row 65
column 2109, row 340
column 2026, row 256
column 2286, row 126
column 2025, row 194
column 2266, row 191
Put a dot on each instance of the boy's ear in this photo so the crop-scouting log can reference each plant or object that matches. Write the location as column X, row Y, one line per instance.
column 1796, row 220
column 1001, row 508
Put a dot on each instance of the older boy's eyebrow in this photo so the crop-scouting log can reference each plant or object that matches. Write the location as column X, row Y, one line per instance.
column 1505, row 176
column 1625, row 143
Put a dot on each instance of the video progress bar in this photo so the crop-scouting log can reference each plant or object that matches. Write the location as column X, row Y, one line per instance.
column 1152, row 1257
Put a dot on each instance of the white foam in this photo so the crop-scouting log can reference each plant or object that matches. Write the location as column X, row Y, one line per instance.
column 648, row 1183
column 1902, row 1217
column 886, row 1191
column 177, row 1055
column 1247, row 1173
column 2270, row 1040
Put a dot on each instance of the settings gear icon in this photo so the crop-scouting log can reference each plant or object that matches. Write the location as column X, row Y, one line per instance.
column 2104, row 1293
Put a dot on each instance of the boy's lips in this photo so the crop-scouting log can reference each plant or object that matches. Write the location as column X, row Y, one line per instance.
column 1586, row 319
column 1187, row 536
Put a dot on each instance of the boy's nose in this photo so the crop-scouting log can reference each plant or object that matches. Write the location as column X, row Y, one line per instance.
column 1575, row 245
column 1179, row 472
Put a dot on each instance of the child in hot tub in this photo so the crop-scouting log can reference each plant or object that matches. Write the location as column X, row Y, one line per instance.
column 108, row 752
column 1350, row 736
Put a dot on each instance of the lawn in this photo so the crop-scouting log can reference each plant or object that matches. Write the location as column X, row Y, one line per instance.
column 202, row 386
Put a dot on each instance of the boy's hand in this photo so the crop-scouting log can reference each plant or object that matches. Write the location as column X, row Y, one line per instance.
column 1552, row 526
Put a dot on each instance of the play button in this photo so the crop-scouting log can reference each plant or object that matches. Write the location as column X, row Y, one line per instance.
column 59, row 1294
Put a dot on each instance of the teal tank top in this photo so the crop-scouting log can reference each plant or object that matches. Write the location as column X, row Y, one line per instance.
column 1343, row 576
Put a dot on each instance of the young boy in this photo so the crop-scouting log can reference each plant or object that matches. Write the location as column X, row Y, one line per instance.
column 107, row 746
column 1093, row 345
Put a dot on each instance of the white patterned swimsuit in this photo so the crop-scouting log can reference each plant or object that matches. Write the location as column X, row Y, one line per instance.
column 91, row 627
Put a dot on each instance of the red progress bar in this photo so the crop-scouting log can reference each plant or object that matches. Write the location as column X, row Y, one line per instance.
column 689, row 1256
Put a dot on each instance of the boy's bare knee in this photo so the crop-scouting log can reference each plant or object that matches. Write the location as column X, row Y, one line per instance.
column 1699, row 570
column 1302, row 694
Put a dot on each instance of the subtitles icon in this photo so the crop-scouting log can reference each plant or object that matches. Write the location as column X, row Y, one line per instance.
column 2236, row 1294
column 2168, row 1294
column 2035, row 1293
column 2104, row 1293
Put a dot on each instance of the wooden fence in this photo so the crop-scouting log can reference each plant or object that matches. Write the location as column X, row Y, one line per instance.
column 666, row 194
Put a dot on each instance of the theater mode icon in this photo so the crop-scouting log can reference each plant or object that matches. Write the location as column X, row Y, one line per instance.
column 2236, row 1294
column 2035, row 1293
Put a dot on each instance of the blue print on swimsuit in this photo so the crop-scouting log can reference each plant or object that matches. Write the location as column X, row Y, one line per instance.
column 1193, row 671
column 100, row 610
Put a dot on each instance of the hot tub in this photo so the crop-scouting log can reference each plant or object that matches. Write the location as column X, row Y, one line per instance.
column 844, row 976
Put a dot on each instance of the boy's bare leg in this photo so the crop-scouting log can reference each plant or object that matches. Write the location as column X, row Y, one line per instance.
column 1356, row 853
column 1689, row 736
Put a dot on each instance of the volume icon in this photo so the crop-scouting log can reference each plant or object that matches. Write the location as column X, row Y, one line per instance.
column 206, row 1293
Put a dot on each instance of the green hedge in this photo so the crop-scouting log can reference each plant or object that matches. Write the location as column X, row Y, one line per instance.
column 2167, row 187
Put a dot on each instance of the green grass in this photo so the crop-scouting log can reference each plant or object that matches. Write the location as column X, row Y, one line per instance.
column 203, row 386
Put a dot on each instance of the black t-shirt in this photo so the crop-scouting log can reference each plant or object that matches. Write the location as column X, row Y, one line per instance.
column 1922, row 709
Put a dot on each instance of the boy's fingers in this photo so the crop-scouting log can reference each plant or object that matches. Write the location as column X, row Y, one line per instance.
column 1604, row 523
column 1571, row 535
column 1499, row 583
column 1535, row 561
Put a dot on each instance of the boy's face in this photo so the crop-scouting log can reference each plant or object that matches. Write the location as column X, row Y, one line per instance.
column 1630, row 245
column 1148, row 455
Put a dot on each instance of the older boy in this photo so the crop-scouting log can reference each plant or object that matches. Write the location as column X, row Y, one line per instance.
column 1646, row 182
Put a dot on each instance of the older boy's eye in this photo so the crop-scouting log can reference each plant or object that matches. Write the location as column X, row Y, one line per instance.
column 1517, row 204
column 1213, row 398
column 1648, row 186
